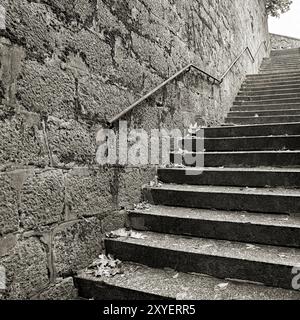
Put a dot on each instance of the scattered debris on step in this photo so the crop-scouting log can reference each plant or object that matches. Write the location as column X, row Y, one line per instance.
column 251, row 247
column 142, row 206
column 221, row 286
column 155, row 182
column 176, row 166
column 123, row 233
column 105, row 266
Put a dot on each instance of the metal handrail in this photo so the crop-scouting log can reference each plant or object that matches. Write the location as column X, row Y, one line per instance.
column 145, row 97
column 236, row 60
column 262, row 43
column 176, row 75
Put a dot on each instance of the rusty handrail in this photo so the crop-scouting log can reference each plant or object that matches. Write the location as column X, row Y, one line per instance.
column 176, row 75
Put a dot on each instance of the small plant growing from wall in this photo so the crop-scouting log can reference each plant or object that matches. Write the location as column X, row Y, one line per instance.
column 277, row 7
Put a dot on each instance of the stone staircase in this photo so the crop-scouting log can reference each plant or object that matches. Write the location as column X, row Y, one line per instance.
column 232, row 231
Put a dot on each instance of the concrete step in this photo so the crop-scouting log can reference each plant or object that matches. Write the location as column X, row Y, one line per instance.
column 241, row 143
column 281, row 57
column 253, row 130
column 139, row 282
column 232, row 177
column 285, row 52
column 284, row 63
column 279, row 68
column 273, row 107
column 271, row 75
column 268, row 101
column 276, row 70
column 288, row 69
column 269, row 265
column 267, row 112
column 267, row 83
column 269, row 91
column 281, row 63
column 265, row 200
column 263, row 119
column 292, row 64
column 279, row 230
column 288, row 63
column 266, row 78
column 262, row 97
column 268, row 87
column 245, row 159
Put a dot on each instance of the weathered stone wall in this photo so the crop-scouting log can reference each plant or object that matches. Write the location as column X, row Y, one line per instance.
column 283, row 42
column 66, row 68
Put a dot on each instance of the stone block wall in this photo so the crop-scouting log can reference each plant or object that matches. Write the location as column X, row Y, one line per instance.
column 66, row 68
column 283, row 42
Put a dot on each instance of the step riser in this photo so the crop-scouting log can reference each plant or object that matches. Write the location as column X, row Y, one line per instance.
column 221, row 267
column 285, row 57
column 264, row 113
column 271, row 108
column 270, row 87
column 90, row 289
column 224, row 201
column 231, row 231
column 272, row 77
column 277, row 79
column 242, row 144
column 268, row 97
column 287, row 74
column 269, row 84
column 281, row 58
column 276, row 64
column 287, row 129
column 265, row 92
column 291, row 64
column 295, row 64
column 258, row 85
column 285, row 53
column 280, row 68
column 263, row 120
column 280, row 54
column 276, row 70
column 274, row 61
column 267, row 102
column 238, row 160
column 232, row 178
